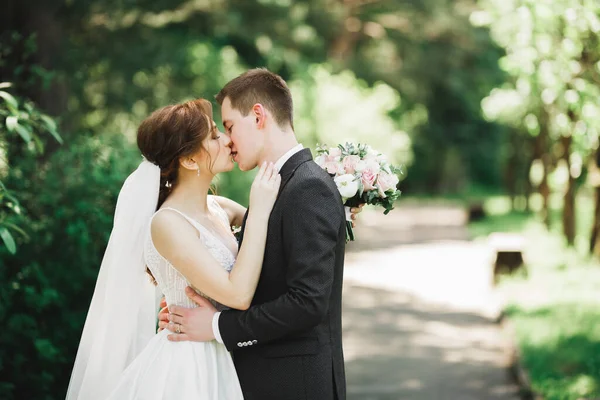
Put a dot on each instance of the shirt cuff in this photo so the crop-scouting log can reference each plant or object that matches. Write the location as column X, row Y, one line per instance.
column 215, row 327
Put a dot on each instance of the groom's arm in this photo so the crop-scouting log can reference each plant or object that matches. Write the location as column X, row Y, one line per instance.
column 311, row 231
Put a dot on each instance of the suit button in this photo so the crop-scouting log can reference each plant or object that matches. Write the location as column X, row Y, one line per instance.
column 240, row 344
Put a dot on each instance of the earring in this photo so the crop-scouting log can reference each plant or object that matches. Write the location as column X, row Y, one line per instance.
column 198, row 170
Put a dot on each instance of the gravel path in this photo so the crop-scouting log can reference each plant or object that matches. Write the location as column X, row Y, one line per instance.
column 419, row 311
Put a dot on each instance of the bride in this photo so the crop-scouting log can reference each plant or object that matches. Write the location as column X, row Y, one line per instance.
column 167, row 226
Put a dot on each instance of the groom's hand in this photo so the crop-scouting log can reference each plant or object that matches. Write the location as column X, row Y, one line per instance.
column 354, row 211
column 163, row 315
column 195, row 324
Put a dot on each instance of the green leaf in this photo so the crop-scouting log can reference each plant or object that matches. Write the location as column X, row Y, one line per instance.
column 16, row 228
column 50, row 123
column 10, row 100
column 11, row 123
column 8, row 240
column 39, row 145
column 23, row 132
column 51, row 127
column 4, row 192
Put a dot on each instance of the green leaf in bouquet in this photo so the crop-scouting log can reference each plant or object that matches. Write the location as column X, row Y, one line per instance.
column 322, row 149
column 362, row 150
column 371, row 195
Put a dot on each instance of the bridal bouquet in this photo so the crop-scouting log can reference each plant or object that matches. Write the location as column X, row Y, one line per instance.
column 362, row 175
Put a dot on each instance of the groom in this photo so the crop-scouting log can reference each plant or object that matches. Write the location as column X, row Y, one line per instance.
column 288, row 344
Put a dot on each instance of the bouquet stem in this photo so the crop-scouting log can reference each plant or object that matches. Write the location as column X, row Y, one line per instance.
column 349, row 232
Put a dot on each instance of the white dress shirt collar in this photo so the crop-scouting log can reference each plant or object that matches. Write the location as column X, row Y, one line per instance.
column 283, row 159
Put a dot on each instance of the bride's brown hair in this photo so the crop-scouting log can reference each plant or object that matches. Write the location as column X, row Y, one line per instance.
column 173, row 132
column 170, row 133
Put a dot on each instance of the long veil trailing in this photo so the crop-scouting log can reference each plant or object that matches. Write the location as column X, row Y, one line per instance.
column 122, row 315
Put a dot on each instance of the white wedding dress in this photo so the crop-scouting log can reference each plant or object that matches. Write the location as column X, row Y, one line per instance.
column 181, row 370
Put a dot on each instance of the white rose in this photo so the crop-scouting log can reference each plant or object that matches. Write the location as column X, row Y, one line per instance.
column 320, row 160
column 347, row 185
column 360, row 166
column 382, row 159
column 372, row 152
column 373, row 166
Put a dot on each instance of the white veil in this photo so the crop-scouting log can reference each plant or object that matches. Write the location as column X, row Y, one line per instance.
column 122, row 315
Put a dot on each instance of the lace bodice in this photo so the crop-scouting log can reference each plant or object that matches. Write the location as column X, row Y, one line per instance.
column 170, row 281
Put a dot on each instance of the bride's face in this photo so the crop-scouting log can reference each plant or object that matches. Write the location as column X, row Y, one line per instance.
column 217, row 155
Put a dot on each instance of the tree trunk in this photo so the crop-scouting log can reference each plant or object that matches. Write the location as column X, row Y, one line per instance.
column 595, row 236
column 568, row 216
column 510, row 180
column 595, row 179
column 540, row 151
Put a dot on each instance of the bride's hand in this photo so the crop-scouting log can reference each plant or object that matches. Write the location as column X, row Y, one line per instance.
column 264, row 190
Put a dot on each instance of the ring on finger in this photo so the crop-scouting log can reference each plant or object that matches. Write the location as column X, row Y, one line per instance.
column 177, row 328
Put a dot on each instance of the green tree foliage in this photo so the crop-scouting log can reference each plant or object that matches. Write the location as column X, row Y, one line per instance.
column 20, row 135
column 553, row 59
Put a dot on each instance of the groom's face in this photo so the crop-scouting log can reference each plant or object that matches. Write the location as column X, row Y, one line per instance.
column 244, row 135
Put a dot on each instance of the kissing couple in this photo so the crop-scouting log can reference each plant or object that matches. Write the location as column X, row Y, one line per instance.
column 256, row 317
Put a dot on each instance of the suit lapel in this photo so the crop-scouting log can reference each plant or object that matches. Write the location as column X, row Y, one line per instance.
column 286, row 172
column 243, row 229
column 291, row 165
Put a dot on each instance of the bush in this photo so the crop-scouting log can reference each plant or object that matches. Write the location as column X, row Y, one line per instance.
column 45, row 289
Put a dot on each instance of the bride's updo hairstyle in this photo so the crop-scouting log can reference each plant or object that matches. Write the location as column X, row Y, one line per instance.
column 170, row 133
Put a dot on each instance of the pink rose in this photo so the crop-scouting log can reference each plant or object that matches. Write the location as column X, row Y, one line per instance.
column 333, row 167
column 368, row 179
column 373, row 166
column 370, row 159
column 335, row 152
column 349, row 163
column 387, row 181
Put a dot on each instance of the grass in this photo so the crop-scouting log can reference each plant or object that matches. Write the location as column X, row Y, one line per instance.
column 556, row 309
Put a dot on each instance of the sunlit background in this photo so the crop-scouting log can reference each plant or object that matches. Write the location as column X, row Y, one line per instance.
column 491, row 106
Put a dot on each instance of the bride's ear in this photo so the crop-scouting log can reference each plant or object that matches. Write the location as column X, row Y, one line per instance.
column 189, row 163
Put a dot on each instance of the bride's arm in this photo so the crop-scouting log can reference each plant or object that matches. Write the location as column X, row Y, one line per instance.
column 235, row 211
column 177, row 241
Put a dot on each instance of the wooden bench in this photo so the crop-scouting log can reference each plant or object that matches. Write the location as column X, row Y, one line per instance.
column 509, row 253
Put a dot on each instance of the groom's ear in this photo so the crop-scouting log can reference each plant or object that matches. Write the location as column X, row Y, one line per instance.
column 260, row 115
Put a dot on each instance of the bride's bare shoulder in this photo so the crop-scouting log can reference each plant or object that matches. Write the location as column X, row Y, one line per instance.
column 166, row 224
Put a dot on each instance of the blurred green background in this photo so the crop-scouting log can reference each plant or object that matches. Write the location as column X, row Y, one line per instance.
column 476, row 98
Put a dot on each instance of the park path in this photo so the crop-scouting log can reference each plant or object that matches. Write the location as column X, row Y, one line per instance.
column 419, row 311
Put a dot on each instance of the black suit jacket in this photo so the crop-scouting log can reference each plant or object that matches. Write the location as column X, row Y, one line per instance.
column 288, row 344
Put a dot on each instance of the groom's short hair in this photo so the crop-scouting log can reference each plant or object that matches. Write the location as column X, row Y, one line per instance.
column 260, row 85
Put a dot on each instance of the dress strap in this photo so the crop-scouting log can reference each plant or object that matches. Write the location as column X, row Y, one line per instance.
column 192, row 221
column 221, row 213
